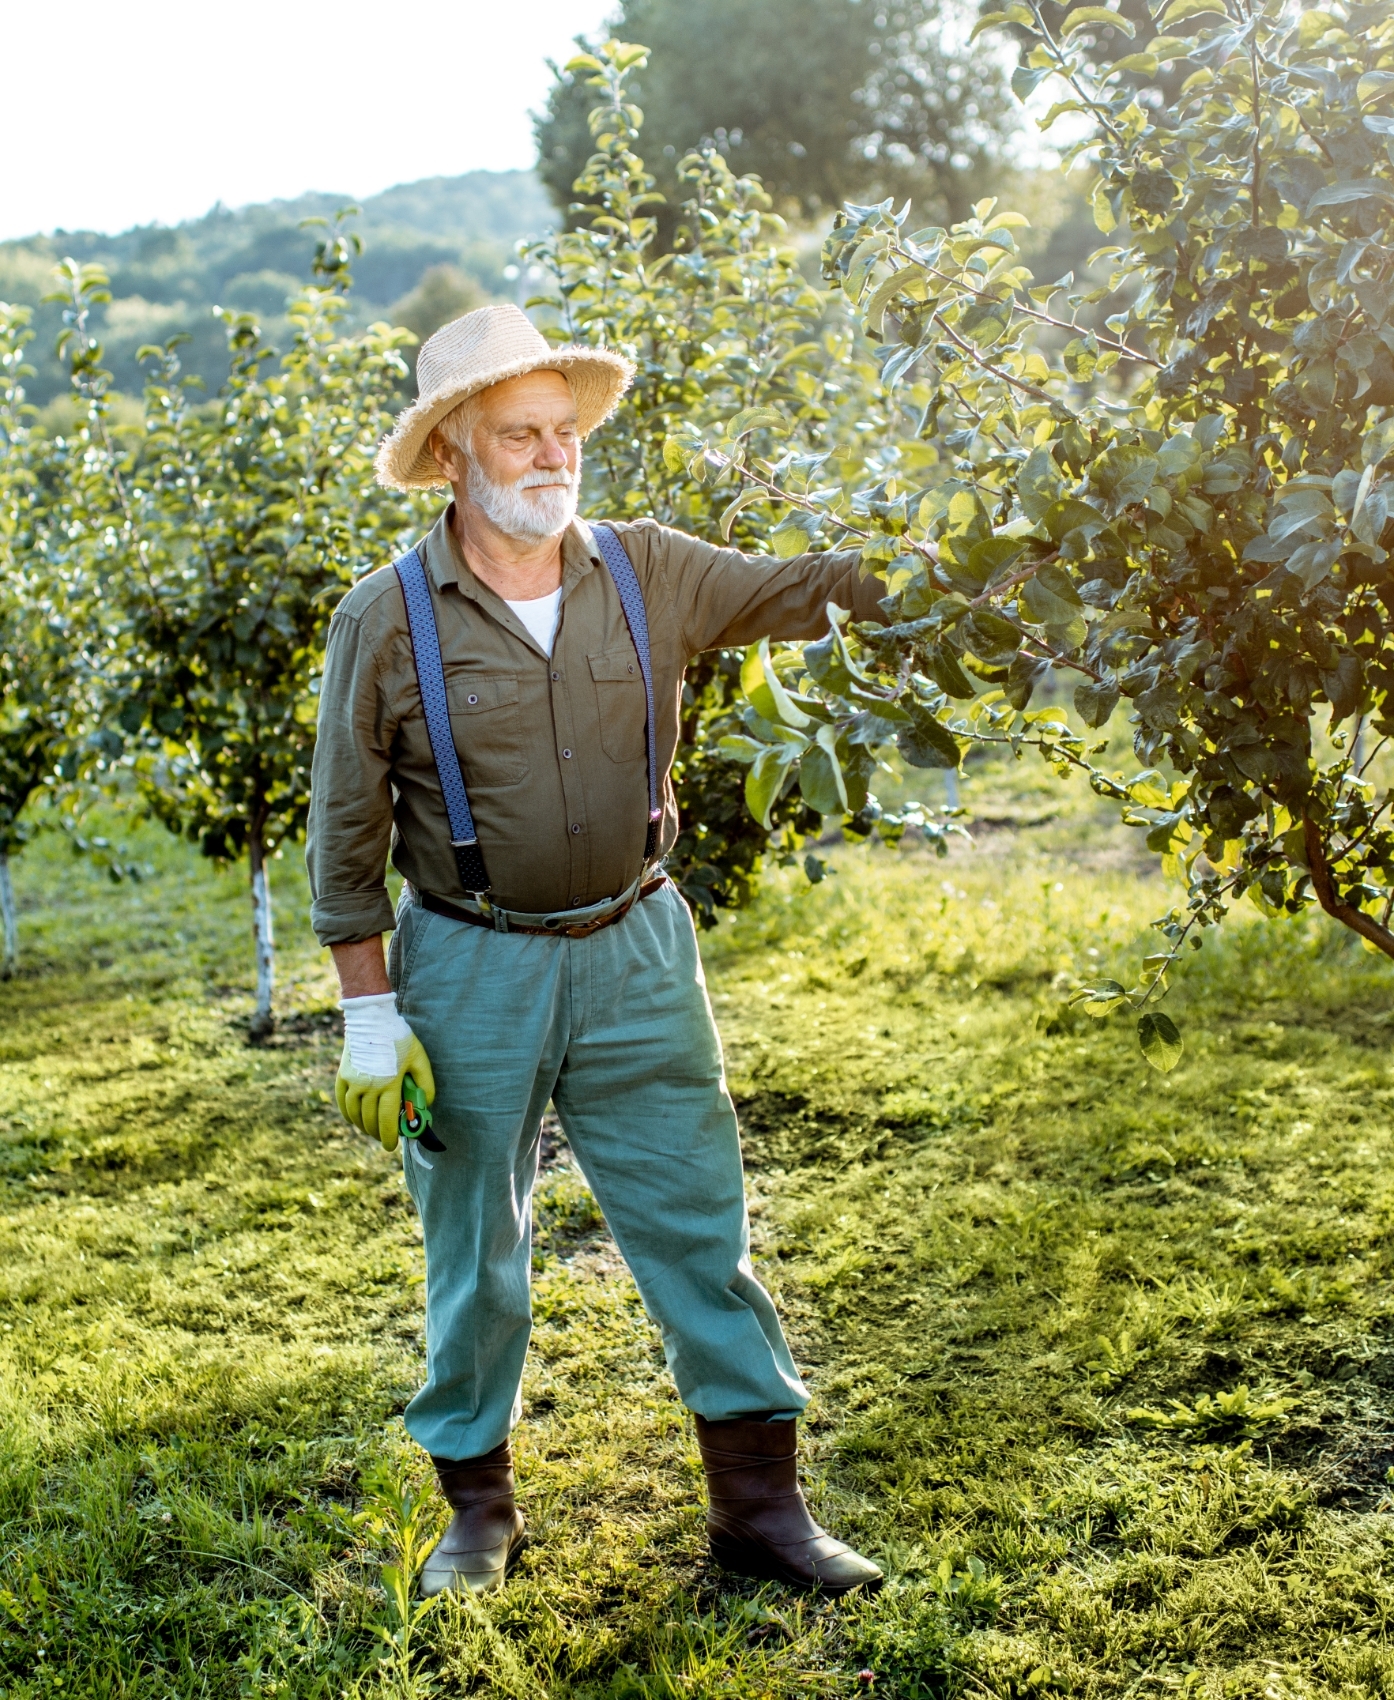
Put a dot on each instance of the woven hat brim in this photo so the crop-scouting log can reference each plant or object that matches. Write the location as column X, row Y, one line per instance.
column 598, row 378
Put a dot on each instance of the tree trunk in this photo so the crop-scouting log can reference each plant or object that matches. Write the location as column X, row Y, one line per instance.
column 7, row 909
column 1346, row 913
column 263, row 1022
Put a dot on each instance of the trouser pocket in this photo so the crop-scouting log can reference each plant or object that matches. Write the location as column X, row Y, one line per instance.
column 405, row 946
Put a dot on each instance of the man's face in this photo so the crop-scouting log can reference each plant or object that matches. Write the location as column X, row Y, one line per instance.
column 523, row 463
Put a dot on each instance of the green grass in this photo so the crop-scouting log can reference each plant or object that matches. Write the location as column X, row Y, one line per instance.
column 1027, row 1275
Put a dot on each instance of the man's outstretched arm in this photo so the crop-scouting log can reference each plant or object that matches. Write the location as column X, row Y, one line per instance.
column 725, row 599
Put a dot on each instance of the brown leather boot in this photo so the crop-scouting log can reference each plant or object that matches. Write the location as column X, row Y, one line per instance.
column 757, row 1522
column 486, row 1533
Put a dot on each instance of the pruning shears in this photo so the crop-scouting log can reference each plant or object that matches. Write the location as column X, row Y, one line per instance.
column 415, row 1119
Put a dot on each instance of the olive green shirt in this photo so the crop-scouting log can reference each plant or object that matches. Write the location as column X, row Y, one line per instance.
column 552, row 748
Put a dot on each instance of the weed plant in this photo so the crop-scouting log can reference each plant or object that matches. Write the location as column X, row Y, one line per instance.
column 1101, row 1359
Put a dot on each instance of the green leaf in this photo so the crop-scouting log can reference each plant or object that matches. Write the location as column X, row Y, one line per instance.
column 794, row 534
column 990, row 559
column 1077, row 357
column 1100, row 998
column 765, row 780
column 1038, row 483
column 1043, row 607
column 829, row 660
column 1026, row 79
column 1357, row 189
column 967, row 516
column 1023, row 675
column 1061, row 518
column 943, row 667
column 753, row 493
column 990, row 637
column 766, row 694
column 741, row 749
column 1161, row 1043
column 1050, row 598
column 755, row 419
column 1058, row 582
column 820, row 775
column 1344, row 685
column 1125, row 474
column 886, row 292
column 1021, row 15
column 1312, row 25
column 870, row 728
column 1372, row 85
column 1180, row 10
column 926, row 742
column 1094, row 703
column 1082, row 16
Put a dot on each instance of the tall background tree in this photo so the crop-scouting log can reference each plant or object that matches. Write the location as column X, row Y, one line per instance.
column 54, row 616
column 243, row 526
column 823, row 100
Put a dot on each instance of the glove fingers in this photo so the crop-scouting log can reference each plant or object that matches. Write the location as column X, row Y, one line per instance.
column 388, row 1110
column 368, row 1096
column 341, row 1097
column 353, row 1104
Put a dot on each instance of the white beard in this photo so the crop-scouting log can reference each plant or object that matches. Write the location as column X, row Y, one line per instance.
column 528, row 519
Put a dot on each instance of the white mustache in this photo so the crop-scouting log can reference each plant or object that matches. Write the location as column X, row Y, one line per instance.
column 540, row 480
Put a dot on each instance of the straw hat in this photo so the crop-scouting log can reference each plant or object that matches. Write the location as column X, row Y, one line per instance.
column 483, row 348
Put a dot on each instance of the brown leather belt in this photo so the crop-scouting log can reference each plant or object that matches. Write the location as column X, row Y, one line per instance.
column 439, row 906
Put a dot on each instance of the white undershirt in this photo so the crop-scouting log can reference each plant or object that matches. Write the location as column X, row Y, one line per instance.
column 540, row 617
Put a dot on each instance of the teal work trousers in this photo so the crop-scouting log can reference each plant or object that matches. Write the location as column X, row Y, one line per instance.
column 616, row 1030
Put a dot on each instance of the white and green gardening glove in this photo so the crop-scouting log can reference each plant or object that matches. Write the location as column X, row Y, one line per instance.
column 379, row 1048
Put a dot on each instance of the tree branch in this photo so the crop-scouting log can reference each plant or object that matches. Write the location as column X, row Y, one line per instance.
column 1339, row 910
column 1116, row 346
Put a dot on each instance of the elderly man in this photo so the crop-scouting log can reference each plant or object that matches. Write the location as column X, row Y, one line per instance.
column 501, row 710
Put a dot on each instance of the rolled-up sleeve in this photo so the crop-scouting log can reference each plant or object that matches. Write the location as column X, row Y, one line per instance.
column 349, row 831
column 729, row 599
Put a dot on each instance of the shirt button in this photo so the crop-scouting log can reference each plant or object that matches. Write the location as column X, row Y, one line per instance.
column 575, row 827
column 476, row 699
column 566, row 755
column 631, row 667
column 556, row 675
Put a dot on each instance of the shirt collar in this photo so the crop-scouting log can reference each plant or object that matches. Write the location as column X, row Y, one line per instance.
column 446, row 563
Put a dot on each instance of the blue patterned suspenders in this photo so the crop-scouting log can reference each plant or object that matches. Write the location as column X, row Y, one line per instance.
column 616, row 557
column 430, row 673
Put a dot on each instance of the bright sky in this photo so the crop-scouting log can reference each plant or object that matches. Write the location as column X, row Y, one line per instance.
column 122, row 112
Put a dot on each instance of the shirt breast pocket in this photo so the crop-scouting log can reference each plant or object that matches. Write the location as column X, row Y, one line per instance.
column 621, row 705
column 487, row 728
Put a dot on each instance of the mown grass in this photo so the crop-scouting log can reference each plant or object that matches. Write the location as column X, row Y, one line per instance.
column 1028, row 1277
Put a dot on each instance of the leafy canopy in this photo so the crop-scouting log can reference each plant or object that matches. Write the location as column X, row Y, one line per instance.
column 1184, row 508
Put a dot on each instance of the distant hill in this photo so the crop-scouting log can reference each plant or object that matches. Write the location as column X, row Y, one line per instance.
column 430, row 249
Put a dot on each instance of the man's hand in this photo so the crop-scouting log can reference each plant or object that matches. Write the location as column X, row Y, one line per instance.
column 379, row 1048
